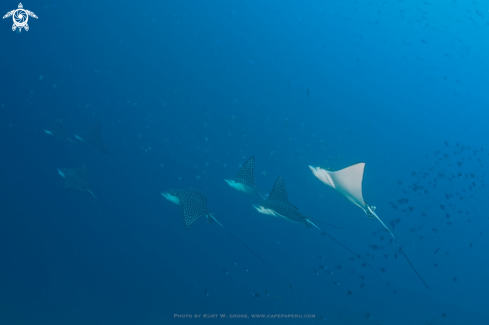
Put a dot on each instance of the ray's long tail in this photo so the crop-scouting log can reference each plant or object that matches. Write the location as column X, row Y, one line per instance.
column 328, row 224
column 112, row 215
column 261, row 259
column 398, row 245
column 357, row 255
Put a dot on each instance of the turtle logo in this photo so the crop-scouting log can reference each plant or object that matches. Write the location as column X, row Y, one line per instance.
column 20, row 17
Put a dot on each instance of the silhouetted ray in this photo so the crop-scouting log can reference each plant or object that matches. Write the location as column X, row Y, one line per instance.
column 58, row 130
column 194, row 204
column 348, row 181
column 77, row 178
column 94, row 137
column 277, row 204
column 244, row 180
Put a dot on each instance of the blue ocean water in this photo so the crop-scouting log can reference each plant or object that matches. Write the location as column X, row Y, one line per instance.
column 185, row 92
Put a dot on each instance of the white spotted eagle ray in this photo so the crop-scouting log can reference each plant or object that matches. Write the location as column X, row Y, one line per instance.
column 194, row 205
column 244, row 180
column 277, row 204
column 348, row 182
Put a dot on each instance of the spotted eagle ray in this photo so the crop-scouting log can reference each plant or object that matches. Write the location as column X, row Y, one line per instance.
column 244, row 180
column 94, row 138
column 348, row 182
column 278, row 205
column 58, row 131
column 77, row 178
column 194, row 205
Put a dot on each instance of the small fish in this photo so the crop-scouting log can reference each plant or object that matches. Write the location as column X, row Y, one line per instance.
column 349, row 292
column 436, row 251
column 256, row 295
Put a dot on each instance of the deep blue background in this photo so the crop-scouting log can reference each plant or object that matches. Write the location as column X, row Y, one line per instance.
column 388, row 83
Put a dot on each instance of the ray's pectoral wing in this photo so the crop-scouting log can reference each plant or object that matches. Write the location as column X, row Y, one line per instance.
column 347, row 181
column 279, row 192
column 77, row 178
column 94, row 137
column 247, row 171
column 189, row 215
column 8, row 14
column 194, row 204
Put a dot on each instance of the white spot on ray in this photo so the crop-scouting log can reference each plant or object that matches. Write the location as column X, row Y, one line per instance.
column 61, row 173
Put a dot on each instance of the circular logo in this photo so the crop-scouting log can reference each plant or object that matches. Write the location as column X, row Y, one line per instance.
column 20, row 17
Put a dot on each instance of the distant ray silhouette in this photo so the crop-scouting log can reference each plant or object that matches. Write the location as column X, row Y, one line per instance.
column 244, row 180
column 94, row 138
column 278, row 205
column 77, row 178
column 58, row 130
column 348, row 182
column 194, row 204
